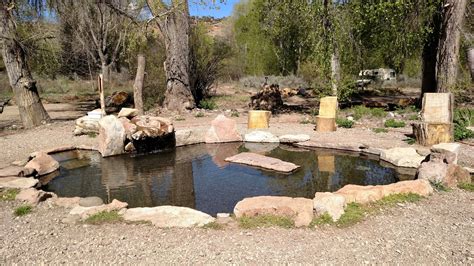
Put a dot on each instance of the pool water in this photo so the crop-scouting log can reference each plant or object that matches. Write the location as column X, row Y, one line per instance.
column 198, row 177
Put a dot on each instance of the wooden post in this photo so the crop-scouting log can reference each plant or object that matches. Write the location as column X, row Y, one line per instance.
column 138, row 85
column 100, row 82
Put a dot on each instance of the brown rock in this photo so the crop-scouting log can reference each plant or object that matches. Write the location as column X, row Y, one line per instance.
column 43, row 164
column 11, row 171
column 262, row 161
column 17, row 182
column 129, row 127
column 298, row 209
column 33, row 196
column 67, row 202
column 111, row 136
column 222, row 129
column 456, row 175
column 367, row 194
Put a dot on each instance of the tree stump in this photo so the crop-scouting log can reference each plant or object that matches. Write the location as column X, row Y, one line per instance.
column 428, row 134
column 325, row 124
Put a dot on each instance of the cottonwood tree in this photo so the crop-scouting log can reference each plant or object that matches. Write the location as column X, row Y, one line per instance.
column 441, row 52
column 100, row 31
column 32, row 111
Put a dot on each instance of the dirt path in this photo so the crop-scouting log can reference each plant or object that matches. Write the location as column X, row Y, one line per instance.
column 437, row 230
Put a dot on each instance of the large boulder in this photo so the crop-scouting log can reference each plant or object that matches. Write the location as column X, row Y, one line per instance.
column 332, row 204
column 186, row 137
column 456, row 175
column 445, row 152
column 367, row 194
column 11, row 171
column 18, row 182
column 86, row 212
column 128, row 112
column 111, row 136
column 294, row 138
column 258, row 160
column 153, row 134
column 222, row 129
column 402, row 157
column 432, row 171
column 33, row 196
column 261, row 137
column 298, row 209
column 169, row 216
column 43, row 164
column 86, row 125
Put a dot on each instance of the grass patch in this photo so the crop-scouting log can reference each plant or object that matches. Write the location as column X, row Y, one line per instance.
column 179, row 118
column 379, row 130
column 208, row 104
column 265, row 221
column 345, row 123
column 324, row 219
column 23, row 210
column 394, row 123
column 104, row 217
column 413, row 117
column 213, row 226
column 9, row 194
column 199, row 114
column 410, row 141
column 467, row 186
column 362, row 111
column 234, row 113
column 92, row 134
column 355, row 212
column 440, row 187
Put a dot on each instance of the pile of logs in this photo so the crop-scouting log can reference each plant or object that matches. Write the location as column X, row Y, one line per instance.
column 268, row 98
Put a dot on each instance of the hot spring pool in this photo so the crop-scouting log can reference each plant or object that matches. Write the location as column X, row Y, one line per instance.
column 198, row 177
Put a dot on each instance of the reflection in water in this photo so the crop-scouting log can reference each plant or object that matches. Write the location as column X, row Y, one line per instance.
column 198, row 177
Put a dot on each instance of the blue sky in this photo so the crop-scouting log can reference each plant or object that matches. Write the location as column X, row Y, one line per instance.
column 223, row 10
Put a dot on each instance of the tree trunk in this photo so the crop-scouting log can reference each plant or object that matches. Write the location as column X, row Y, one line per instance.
column 175, row 27
column 430, row 50
column 105, row 69
column 138, row 85
column 449, row 43
column 470, row 60
column 335, row 72
column 32, row 112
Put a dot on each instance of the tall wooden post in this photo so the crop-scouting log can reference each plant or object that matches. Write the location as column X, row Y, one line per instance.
column 100, row 83
column 138, row 85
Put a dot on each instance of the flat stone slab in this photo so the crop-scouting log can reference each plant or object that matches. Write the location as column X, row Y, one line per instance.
column 261, row 136
column 356, row 147
column 262, row 161
column 169, row 216
column 402, row 157
column 294, row 138
column 17, row 182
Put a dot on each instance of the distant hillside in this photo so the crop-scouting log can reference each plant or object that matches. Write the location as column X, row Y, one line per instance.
column 217, row 27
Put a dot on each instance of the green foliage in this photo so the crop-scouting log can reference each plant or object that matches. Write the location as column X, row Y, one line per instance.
column 413, row 117
column 23, row 210
column 361, row 111
column 208, row 104
column 265, row 221
column 394, row 199
column 463, row 118
column 199, row 114
column 9, row 194
column 234, row 113
column 410, row 140
column 213, row 226
column 438, row 186
column 353, row 213
column 394, row 123
column 92, row 134
column 324, row 219
column 104, row 217
column 379, row 130
column 467, row 186
column 345, row 123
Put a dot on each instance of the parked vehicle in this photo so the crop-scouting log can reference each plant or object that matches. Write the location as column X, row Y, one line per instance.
column 371, row 76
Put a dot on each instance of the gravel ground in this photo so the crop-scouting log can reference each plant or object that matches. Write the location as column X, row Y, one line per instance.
column 437, row 230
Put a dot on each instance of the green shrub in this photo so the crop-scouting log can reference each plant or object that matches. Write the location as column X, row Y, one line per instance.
column 234, row 113
column 345, row 123
column 104, row 217
column 208, row 104
column 463, row 118
column 322, row 220
column 467, row 186
column 9, row 194
column 413, row 117
column 23, row 210
column 362, row 111
column 353, row 214
column 379, row 130
column 410, row 140
column 394, row 123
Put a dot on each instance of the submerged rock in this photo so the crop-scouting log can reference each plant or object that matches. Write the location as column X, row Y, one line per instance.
column 300, row 210
column 222, row 129
column 258, row 160
column 169, row 216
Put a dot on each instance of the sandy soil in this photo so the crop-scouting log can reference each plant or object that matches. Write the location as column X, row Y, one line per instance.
column 437, row 230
